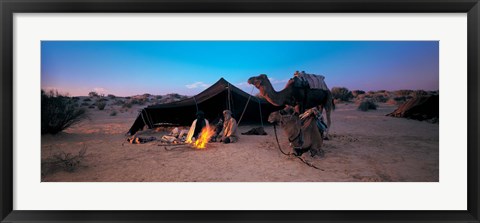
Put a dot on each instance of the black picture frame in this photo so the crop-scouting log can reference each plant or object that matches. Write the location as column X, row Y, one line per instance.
column 9, row 7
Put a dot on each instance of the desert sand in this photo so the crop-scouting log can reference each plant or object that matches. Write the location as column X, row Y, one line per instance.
column 364, row 146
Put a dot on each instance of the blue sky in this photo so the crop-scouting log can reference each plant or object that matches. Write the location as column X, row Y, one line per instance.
column 125, row 68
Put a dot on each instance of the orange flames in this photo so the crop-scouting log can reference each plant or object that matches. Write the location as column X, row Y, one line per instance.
column 204, row 137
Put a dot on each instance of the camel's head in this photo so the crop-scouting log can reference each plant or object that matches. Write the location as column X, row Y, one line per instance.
column 282, row 116
column 258, row 80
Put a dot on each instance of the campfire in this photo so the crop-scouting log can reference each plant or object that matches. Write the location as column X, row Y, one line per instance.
column 203, row 138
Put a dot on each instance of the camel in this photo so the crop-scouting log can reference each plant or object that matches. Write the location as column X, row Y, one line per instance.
column 294, row 97
column 302, row 137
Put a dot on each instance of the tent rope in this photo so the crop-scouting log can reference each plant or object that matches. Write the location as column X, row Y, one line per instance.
column 228, row 97
column 246, row 105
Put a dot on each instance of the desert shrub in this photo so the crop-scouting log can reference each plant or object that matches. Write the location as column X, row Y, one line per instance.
column 119, row 102
column 367, row 105
column 111, row 96
column 75, row 98
column 128, row 98
column 127, row 105
column 356, row 93
column 62, row 161
column 135, row 101
column 403, row 93
column 400, row 99
column 59, row 112
column 158, row 97
column 102, row 99
column 392, row 101
column 361, row 97
column 87, row 99
column 379, row 97
column 100, row 104
column 342, row 93
column 91, row 106
column 93, row 94
column 418, row 93
column 113, row 113
column 85, row 104
column 146, row 95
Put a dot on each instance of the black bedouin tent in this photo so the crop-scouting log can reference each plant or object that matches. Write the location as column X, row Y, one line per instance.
column 212, row 101
column 419, row 108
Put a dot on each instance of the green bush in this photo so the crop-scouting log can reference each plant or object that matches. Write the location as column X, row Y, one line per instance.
column 59, row 112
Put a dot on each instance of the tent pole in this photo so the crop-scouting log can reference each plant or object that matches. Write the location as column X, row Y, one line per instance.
column 260, row 108
column 196, row 105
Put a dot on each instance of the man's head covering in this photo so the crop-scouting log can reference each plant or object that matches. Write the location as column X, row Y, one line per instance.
column 227, row 112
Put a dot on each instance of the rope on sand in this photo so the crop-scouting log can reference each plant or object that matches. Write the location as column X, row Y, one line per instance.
column 290, row 154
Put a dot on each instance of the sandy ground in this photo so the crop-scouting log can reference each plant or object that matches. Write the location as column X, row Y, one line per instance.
column 365, row 146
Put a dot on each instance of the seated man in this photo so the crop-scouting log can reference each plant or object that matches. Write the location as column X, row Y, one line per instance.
column 197, row 126
column 229, row 131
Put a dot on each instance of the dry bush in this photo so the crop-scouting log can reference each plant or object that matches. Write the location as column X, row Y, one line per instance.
column 93, row 94
column 91, row 106
column 113, row 113
column 379, row 97
column 418, row 93
column 119, row 102
column 59, row 112
column 127, row 105
column 111, row 96
column 100, row 105
column 367, row 105
column 87, row 99
column 392, row 101
column 136, row 101
column 85, row 104
column 402, row 93
column 63, row 161
column 341, row 93
column 356, row 93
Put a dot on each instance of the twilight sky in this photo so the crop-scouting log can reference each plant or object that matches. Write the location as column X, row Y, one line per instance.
column 125, row 68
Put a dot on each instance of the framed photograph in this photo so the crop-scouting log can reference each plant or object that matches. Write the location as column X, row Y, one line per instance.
column 262, row 111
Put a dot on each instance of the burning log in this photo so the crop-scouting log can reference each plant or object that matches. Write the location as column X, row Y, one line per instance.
column 204, row 138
